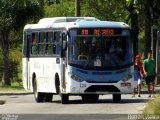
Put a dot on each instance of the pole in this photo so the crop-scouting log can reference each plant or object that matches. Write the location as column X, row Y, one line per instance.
column 77, row 8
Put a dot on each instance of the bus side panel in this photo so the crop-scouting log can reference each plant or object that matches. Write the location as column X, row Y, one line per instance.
column 45, row 70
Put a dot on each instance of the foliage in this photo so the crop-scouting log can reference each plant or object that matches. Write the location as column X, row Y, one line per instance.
column 64, row 8
column 15, row 87
column 13, row 16
column 141, row 42
column 153, row 106
column 15, row 13
column 104, row 9
column 15, row 55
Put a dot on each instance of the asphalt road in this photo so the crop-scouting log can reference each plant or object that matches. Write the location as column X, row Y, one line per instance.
column 24, row 105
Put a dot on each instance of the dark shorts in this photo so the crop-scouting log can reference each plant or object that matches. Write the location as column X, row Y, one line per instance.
column 149, row 79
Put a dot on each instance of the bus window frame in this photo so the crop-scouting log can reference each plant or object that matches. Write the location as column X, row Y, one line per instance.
column 26, row 42
column 57, row 53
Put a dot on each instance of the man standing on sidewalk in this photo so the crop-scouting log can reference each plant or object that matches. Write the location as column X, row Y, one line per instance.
column 149, row 71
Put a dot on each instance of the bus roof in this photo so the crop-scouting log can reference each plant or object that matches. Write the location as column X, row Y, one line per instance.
column 65, row 19
column 74, row 22
column 98, row 24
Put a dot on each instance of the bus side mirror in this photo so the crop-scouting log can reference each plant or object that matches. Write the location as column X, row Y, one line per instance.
column 64, row 44
column 64, row 39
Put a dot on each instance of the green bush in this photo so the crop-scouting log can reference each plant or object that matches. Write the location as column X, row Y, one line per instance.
column 153, row 106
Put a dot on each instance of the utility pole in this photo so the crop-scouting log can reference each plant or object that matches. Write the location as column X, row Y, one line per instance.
column 77, row 8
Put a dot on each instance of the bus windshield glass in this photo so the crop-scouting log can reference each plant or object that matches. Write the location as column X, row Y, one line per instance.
column 100, row 52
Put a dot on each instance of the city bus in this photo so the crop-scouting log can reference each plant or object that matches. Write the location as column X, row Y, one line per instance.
column 77, row 56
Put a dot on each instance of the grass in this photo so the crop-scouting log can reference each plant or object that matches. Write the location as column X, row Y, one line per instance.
column 15, row 87
column 153, row 106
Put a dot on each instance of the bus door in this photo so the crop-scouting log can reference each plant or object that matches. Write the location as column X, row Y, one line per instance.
column 158, row 58
column 63, row 56
column 26, row 39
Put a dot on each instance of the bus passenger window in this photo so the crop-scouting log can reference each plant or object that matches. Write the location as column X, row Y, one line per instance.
column 57, row 37
column 49, row 37
column 34, row 45
column 49, row 49
column 48, row 43
column 42, row 43
column 33, row 39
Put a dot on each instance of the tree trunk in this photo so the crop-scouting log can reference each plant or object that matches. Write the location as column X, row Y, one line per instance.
column 134, row 28
column 77, row 8
column 147, row 28
column 5, row 53
column 154, row 43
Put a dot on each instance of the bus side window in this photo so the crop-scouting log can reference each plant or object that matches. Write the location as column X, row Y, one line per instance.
column 49, row 43
column 34, row 45
column 57, row 38
column 42, row 41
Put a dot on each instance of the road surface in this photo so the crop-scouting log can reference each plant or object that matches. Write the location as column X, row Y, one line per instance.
column 25, row 104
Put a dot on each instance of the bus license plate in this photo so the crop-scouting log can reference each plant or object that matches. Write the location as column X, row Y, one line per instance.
column 125, row 84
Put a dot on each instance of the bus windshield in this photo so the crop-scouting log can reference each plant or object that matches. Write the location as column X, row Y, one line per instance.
column 100, row 52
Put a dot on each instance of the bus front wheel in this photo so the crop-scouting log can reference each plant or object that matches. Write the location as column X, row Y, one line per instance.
column 116, row 98
column 64, row 98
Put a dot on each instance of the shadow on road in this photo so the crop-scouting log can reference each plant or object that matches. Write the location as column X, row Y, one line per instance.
column 103, row 101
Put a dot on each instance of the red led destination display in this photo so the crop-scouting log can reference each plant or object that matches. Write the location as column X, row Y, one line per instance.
column 99, row 31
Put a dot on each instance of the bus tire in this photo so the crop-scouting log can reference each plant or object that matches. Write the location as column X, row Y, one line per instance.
column 64, row 98
column 85, row 98
column 48, row 97
column 39, row 97
column 57, row 84
column 95, row 97
column 116, row 98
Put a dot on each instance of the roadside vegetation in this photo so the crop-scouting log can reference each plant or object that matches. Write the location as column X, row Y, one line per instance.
column 15, row 87
column 153, row 106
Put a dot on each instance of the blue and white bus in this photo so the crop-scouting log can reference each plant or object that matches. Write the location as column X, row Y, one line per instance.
column 77, row 56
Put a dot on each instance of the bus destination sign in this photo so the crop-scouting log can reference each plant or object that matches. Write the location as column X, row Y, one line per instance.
column 99, row 31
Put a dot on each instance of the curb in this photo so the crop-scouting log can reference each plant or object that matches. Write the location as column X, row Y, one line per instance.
column 19, row 93
column 143, row 91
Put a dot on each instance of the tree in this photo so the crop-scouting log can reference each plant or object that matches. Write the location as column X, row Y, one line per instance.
column 59, row 8
column 13, row 15
column 155, row 13
column 132, row 7
column 151, row 13
column 110, row 10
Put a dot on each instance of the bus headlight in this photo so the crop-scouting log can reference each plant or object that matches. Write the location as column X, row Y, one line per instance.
column 126, row 78
column 77, row 78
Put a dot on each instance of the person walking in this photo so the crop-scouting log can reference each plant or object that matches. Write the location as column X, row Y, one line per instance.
column 136, row 77
column 141, row 72
column 149, row 72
